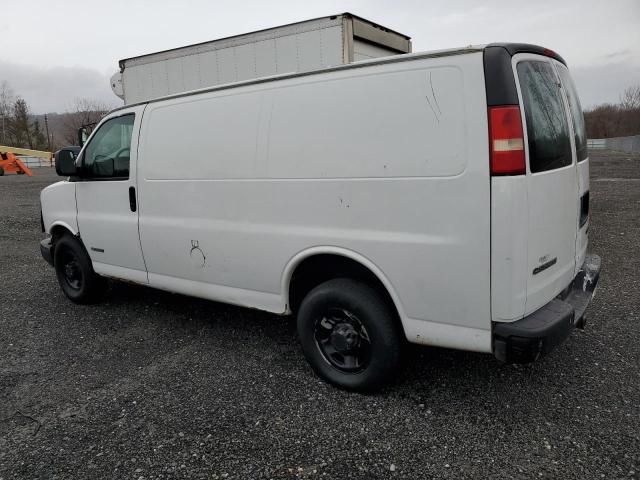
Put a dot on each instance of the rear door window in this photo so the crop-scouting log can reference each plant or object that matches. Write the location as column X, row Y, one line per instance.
column 547, row 127
column 576, row 112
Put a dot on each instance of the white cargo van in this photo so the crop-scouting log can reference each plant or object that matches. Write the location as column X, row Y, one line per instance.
column 439, row 198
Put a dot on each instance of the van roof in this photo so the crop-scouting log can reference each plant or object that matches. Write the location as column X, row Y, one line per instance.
column 511, row 48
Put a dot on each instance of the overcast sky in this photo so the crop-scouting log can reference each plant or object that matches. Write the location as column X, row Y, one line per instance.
column 52, row 52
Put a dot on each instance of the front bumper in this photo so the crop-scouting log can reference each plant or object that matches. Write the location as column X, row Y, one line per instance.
column 535, row 335
column 46, row 249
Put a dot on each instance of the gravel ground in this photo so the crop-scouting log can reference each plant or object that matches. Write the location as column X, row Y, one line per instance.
column 154, row 385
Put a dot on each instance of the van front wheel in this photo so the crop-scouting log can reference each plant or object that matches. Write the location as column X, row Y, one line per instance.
column 349, row 335
column 75, row 273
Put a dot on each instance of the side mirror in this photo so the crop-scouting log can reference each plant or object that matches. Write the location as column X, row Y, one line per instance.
column 83, row 134
column 66, row 161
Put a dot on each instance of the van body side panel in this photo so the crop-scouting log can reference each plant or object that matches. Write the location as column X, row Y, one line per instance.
column 509, row 204
column 509, row 229
column 388, row 161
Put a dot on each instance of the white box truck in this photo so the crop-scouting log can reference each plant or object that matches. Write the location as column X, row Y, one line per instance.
column 298, row 47
column 440, row 198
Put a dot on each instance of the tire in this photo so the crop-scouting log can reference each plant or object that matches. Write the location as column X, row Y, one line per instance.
column 350, row 335
column 75, row 272
column 1, row 171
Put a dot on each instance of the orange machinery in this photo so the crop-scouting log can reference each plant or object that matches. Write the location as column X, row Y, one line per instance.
column 10, row 163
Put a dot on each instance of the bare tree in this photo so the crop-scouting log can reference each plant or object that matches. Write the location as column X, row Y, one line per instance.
column 630, row 98
column 7, row 100
column 83, row 112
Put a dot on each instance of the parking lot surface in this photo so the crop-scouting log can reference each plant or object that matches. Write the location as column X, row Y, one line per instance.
column 148, row 384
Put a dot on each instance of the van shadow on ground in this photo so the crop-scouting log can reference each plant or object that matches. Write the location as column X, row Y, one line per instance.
column 427, row 372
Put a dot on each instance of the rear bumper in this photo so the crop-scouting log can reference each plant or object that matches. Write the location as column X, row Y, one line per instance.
column 535, row 335
column 46, row 249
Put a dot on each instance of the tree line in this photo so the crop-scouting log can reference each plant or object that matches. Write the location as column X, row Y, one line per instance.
column 615, row 120
column 20, row 128
column 17, row 128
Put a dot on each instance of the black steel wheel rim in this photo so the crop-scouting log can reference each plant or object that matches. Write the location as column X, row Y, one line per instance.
column 71, row 271
column 343, row 340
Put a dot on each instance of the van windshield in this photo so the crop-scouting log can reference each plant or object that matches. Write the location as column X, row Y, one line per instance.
column 576, row 113
column 547, row 127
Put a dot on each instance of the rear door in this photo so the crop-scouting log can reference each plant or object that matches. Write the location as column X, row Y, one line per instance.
column 551, row 180
column 582, row 158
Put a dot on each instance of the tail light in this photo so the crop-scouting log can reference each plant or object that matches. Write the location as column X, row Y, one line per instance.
column 506, row 141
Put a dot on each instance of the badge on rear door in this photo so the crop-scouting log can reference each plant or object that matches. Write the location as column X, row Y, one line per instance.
column 545, row 265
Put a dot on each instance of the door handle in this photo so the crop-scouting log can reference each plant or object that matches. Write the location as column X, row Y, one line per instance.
column 132, row 198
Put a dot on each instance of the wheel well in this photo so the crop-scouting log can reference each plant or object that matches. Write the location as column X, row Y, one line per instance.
column 317, row 269
column 58, row 231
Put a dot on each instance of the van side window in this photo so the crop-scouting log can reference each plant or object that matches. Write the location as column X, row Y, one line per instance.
column 108, row 153
column 576, row 113
column 547, row 128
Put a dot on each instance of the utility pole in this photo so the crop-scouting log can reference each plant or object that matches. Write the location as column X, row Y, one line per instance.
column 46, row 125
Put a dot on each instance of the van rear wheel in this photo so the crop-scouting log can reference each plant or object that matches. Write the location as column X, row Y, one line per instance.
column 349, row 335
column 75, row 272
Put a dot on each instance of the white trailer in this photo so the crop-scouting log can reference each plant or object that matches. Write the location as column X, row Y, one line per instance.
column 297, row 47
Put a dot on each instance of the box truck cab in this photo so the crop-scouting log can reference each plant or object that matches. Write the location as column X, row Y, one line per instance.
column 439, row 198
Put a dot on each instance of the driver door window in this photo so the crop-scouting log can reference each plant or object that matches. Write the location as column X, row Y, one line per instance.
column 108, row 153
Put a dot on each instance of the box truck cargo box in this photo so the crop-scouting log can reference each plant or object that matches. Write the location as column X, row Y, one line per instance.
column 298, row 47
